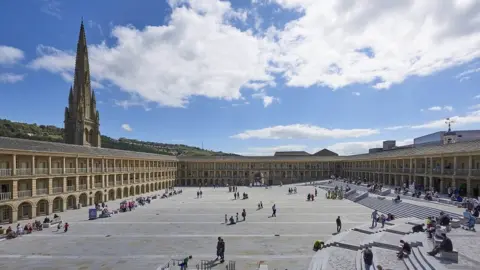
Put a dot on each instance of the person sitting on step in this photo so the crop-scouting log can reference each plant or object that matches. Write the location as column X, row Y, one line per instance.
column 405, row 250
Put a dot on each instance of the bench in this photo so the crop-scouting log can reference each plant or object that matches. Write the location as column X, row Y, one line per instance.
column 56, row 221
column 449, row 256
column 381, row 197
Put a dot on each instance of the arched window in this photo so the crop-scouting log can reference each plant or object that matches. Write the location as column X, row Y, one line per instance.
column 87, row 135
column 90, row 136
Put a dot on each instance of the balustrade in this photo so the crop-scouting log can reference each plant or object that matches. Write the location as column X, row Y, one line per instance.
column 70, row 188
column 24, row 171
column 57, row 189
column 42, row 191
column 82, row 187
column 5, row 172
column 24, row 193
column 5, row 196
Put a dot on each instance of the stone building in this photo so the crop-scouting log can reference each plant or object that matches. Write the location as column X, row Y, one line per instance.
column 40, row 178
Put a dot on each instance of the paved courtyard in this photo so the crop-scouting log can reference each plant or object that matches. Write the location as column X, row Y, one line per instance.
column 183, row 225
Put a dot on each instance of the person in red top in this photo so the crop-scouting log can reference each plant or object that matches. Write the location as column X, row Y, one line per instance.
column 66, row 227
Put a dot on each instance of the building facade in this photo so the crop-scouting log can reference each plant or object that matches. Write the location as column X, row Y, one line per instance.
column 40, row 178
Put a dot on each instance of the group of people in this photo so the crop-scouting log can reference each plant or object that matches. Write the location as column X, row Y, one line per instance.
column 292, row 190
column 233, row 221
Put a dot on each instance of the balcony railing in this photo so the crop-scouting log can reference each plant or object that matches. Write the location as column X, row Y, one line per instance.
column 70, row 188
column 475, row 172
column 97, row 170
column 24, row 193
column 98, row 185
column 70, row 170
column 5, row 172
column 448, row 171
column 82, row 170
column 5, row 196
column 82, row 187
column 462, row 171
column 24, row 171
column 57, row 189
column 42, row 191
column 118, row 183
column 110, row 169
column 111, row 183
column 118, row 169
column 41, row 170
column 420, row 170
column 57, row 170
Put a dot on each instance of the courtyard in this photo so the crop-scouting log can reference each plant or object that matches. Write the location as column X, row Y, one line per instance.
column 183, row 225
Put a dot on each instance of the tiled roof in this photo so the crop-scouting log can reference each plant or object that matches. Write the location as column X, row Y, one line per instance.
column 423, row 150
column 291, row 153
column 52, row 147
column 260, row 158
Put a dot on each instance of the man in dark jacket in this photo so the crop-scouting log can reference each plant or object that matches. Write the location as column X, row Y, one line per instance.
column 339, row 224
column 446, row 245
column 405, row 250
column 367, row 258
column 222, row 250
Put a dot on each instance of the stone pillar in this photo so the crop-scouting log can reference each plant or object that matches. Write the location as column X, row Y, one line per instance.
column 454, row 165
column 441, row 186
column 88, row 182
column 454, row 183
column 33, row 165
column 470, row 165
column 103, row 165
column 442, row 165
column 50, row 186
column 34, row 187
column 469, row 186
column 14, row 164
column 14, row 189
column 64, row 167
column 76, row 165
column 77, row 181
column 49, row 167
column 64, row 181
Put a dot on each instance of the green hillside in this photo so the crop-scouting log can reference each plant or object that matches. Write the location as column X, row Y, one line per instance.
column 55, row 134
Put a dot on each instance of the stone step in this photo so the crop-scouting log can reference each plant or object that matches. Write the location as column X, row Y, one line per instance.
column 421, row 261
column 432, row 262
column 359, row 260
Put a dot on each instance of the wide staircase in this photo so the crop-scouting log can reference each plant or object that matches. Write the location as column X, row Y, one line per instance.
column 345, row 250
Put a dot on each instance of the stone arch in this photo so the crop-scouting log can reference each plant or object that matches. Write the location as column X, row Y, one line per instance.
column 147, row 188
column 111, row 194
column 132, row 191
column 152, row 187
column 57, row 205
column 137, row 190
column 83, row 199
column 142, row 189
column 71, row 202
column 98, row 197
column 42, row 207
column 25, row 210
column 6, row 212
column 125, row 192
column 119, row 193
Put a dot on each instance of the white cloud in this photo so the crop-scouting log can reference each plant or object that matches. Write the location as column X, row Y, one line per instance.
column 11, row 78
column 127, row 127
column 465, row 75
column 302, row 131
column 395, row 127
column 476, row 97
column 270, row 150
column 10, row 55
column 470, row 118
column 197, row 53
column 354, row 148
column 474, row 107
column 131, row 103
column 267, row 100
column 342, row 42
column 439, row 108
column 356, row 93
column 52, row 8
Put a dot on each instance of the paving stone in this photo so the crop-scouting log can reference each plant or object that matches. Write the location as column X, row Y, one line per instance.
column 183, row 225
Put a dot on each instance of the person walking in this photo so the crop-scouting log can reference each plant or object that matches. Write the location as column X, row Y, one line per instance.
column 367, row 258
column 274, row 211
column 339, row 224
column 374, row 218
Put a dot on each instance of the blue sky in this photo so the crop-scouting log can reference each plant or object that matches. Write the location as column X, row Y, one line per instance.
column 249, row 77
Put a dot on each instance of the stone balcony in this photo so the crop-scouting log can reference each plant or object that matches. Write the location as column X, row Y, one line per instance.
column 42, row 191
column 5, row 196
column 82, row 187
column 70, row 170
column 5, row 172
column 24, row 171
column 24, row 193
column 41, row 171
column 70, row 188
column 56, row 190
column 57, row 171
column 98, row 185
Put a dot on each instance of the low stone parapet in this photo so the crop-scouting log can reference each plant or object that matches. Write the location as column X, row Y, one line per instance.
column 449, row 256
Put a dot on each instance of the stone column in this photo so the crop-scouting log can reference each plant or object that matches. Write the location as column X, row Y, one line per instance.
column 33, row 165
column 64, row 169
column 49, row 166
column 14, row 189
column 77, row 183
column 50, row 186
column 34, row 187
column 442, row 165
column 76, row 165
column 14, row 164
column 469, row 186
column 455, row 165
column 470, row 165
column 64, row 181
column 88, row 182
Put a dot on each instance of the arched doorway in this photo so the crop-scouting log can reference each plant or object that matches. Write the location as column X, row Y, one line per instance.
column 71, row 202
column 137, row 190
column 98, row 197
column 6, row 214
column 111, row 195
column 125, row 192
column 119, row 193
column 83, row 199
column 42, row 208
column 147, row 188
column 142, row 189
column 132, row 191
column 24, row 211
column 57, row 205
